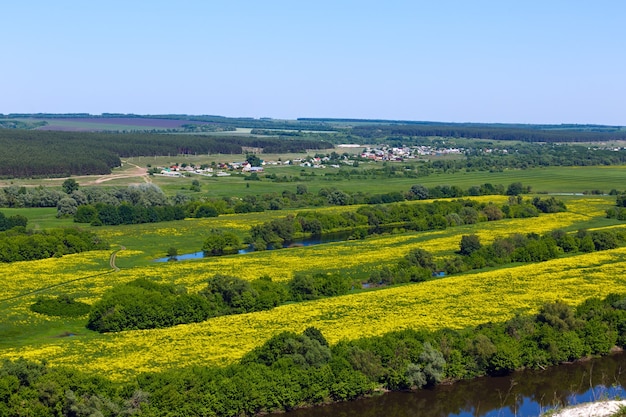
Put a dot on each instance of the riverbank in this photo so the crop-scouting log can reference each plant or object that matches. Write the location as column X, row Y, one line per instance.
column 595, row 409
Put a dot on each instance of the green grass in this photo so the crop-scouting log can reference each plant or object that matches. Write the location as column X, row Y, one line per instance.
column 620, row 413
column 542, row 180
column 14, row 333
column 40, row 217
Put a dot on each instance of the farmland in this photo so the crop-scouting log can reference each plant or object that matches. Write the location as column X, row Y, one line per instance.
column 462, row 319
column 542, row 180
column 459, row 302
column 455, row 301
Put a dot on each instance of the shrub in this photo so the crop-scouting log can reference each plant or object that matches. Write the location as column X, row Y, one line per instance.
column 61, row 306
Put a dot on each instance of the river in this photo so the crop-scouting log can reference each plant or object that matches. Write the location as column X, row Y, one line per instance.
column 521, row 394
column 309, row 241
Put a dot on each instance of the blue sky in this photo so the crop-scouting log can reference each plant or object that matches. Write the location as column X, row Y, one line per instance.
column 530, row 61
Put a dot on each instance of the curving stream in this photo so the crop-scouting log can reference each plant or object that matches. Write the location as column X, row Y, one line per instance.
column 309, row 241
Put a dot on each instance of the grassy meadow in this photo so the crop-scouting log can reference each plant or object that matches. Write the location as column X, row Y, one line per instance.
column 542, row 180
column 456, row 301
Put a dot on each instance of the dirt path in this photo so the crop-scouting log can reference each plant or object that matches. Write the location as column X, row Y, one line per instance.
column 114, row 257
column 86, row 180
column 136, row 172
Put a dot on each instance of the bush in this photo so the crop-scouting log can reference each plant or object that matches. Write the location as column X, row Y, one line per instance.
column 143, row 304
column 309, row 287
column 221, row 243
column 309, row 349
column 231, row 294
column 61, row 306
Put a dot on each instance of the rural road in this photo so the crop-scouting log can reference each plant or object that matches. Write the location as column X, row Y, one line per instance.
column 114, row 257
column 86, row 180
column 136, row 172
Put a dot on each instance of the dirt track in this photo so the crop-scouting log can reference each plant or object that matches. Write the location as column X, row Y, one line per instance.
column 86, row 180
column 135, row 172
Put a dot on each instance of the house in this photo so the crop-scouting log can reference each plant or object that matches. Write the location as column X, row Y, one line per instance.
column 168, row 173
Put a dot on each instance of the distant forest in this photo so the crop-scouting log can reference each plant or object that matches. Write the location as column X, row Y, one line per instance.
column 32, row 153
column 231, row 122
column 495, row 132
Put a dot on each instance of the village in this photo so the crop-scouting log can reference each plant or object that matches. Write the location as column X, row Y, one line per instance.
column 318, row 161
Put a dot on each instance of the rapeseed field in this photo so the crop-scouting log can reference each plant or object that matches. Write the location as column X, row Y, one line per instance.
column 455, row 302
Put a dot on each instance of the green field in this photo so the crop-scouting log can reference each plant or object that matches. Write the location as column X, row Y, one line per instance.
column 88, row 275
column 542, row 180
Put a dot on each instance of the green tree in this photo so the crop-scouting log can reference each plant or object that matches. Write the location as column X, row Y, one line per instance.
column 219, row 242
column 85, row 214
column 469, row 244
column 418, row 192
column 66, row 207
column 270, row 293
column 235, row 295
column 515, row 188
column 303, row 287
column 338, row 198
column 493, row 212
column 301, row 189
column 206, row 210
column 304, row 350
column 559, row 316
column 421, row 258
column 253, row 160
column 69, row 186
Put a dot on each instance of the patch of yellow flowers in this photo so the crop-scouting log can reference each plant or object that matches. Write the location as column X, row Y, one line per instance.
column 455, row 302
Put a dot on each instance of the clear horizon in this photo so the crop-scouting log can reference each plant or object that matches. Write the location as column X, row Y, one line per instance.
column 557, row 62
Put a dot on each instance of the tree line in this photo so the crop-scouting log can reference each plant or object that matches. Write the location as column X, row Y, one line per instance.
column 19, row 244
column 292, row 370
column 419, row 265
column 10, row 222
column 143, row 304
column 373, row 219
column 33, row 153
column 619, row 211
column 146, row 203
column 493, row 132
column 222, row 121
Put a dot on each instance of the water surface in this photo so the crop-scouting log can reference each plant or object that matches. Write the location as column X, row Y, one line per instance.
column 521, row 394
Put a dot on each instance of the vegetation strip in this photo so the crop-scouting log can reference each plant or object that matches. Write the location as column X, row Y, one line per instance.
column 292, row 370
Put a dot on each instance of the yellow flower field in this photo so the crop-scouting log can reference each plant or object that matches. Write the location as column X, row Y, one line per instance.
column 455, row 302
column 69, row 271
column 24, row 277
